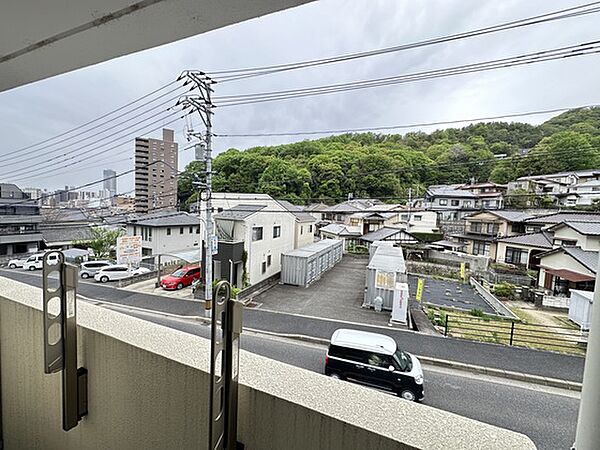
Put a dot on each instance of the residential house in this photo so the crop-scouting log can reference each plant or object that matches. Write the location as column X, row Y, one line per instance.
column 394, row 235
column 489, row 195
column 315, row 210
column 19, row 221
column 523, row 250
column 62, row 228
column 573, row 261
column 350, row 235
column 417, row 220
column 544, row 221
column 451, row 204
column 341, row 212
column 167, row 233
column 569, row 188
column 260, row 227
column 483, row 229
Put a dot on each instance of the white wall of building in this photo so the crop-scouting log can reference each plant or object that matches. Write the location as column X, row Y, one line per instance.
column 160, row 241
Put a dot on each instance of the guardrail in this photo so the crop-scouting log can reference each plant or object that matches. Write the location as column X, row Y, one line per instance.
column 544, row 337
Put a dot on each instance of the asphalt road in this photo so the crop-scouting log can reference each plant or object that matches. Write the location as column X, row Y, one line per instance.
column 516, row 359
column 548, row 419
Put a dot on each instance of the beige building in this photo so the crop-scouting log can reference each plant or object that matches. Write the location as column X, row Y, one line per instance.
column 156, row 173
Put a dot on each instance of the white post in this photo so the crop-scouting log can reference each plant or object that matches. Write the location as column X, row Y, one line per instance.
column 588, row 423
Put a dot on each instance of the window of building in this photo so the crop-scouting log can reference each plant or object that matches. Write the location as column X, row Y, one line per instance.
column 197, row 230
column 180, row 230
column 467, row 204
column 443, row 201
column 150, row 234
column 301, row 229
column 518, row 228
column 310, row 228
column 475, row 227
column 404, row 217
column 257, row 233
column 191, row 230
column 481, row 248
column 168, row 232
column 418, row 218
column 134, row 230
column 596, row 188
column 454, row 202
column 268, row 260
column 276, row 231
column 264, row 267
column 515, row 256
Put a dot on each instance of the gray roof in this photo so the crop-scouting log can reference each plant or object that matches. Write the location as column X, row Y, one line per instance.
column 512, row 216
column 297, row 211
column 316, row 207
column 352, row 206
column 6, row 189
column 388, row 258
column 64, row 215
column 543, row 239
column 452, row 190
column 565, row 216
column 239, row 212
column 339, row 229
column 382, row 234
column 585, row 228
column 588, row 258
column 165, row 220
column 579, row 173
column 65, row 233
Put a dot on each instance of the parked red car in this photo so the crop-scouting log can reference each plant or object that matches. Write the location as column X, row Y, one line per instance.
column 184, row 276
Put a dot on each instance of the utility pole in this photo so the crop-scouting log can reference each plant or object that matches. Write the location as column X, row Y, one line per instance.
column 409, row 208
column 202, row 104
column 588, row 431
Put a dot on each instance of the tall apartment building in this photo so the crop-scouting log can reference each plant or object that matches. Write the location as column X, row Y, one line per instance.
column 156, row 173
column 110, row 184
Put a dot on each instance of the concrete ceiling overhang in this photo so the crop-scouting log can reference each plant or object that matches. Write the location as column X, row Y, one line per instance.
column 40, row 39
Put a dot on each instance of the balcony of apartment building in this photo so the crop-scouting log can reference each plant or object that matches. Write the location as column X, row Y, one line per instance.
column 148, row 387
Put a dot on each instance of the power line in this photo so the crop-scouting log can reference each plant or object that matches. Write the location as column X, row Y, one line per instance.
column 236, row 74
column 583, row 49
column 394, row 127
column 19, row 150
column 97, row 151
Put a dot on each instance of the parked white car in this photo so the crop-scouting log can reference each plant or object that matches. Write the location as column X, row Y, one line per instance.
column 37, row 261
column 118, row 272
column 90, row 268
column 14, row 263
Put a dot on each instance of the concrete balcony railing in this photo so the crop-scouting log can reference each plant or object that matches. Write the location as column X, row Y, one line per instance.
column 148, row 389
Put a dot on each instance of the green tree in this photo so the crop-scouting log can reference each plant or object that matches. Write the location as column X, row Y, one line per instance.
column 282, row 179
column 103, row 242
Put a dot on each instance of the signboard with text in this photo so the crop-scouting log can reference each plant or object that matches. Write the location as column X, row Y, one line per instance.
column 400, row 303
column 129, row 249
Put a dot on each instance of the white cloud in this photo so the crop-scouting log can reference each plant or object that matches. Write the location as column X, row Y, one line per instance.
column 320, row 29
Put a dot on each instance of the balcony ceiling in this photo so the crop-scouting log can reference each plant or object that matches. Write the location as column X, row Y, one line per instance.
column 40, row 39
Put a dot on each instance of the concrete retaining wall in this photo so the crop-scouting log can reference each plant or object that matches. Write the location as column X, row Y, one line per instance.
column 492, row 300
column 556, row 302
column 148, row 389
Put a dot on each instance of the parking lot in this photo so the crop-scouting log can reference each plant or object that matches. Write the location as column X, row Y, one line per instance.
column 147, row 287
column 337, row 295
column 449, row 293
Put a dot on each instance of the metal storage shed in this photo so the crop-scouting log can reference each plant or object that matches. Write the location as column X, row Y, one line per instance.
column 305, row 265
column 385, row 269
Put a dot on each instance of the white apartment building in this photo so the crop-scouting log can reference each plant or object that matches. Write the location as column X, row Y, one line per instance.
column 265, row 227
column 167, row 233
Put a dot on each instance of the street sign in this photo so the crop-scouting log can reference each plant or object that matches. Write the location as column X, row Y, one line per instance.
column 420, row 283
column 129, row 249
column 463, row 271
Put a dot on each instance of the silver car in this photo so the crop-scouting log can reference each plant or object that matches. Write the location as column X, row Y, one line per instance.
column 91, row 268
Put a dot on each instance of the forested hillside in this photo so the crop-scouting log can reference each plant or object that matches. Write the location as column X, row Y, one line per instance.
column 385, row 166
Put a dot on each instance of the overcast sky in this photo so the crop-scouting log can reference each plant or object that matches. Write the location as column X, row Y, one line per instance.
column 321, row 29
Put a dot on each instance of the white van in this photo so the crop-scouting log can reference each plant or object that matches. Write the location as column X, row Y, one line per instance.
column 37, row 261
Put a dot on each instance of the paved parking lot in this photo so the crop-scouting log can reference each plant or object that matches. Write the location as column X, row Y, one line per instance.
column 450, row 293
column 337, row 295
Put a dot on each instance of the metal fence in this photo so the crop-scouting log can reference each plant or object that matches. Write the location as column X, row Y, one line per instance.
column 545, row 337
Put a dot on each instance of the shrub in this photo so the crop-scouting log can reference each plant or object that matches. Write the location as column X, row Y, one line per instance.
column 505, row 290
column 477, row 312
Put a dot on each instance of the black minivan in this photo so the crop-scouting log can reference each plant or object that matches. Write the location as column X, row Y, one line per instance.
column 374, row 360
